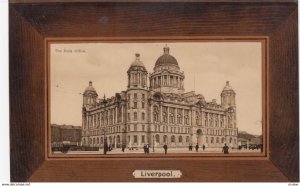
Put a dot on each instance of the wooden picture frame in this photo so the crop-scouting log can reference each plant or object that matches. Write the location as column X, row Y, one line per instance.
column 33, row 23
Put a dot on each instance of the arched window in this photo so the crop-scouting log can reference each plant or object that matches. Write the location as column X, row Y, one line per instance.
column 212, row 140
column 93, row 141
column 135, row 116
column 173, row 139
column 84, row 141
column 187, row 139
column 98, row 140
column 135, row 127
column 180, row 139
column 217, row 140
column 230, row 140
column 111, row 119
column 157, row 138
column 143, row 104
column 164, row 117
column 128, row 117
column 165, row 139
column 186, row 120
column 223, row 140
column 143, row 116
column 197, row 118
column 118, row 139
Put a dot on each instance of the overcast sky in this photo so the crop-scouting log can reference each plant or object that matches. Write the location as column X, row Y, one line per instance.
column 209, row 64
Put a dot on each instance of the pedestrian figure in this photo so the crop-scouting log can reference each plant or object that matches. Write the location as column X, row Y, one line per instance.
column 145, row 149
column 191, row 147
column 225, row 149
column 105, row 147
column 123, row 147
column 197, row 147
column 166, row 148
column 203, row 147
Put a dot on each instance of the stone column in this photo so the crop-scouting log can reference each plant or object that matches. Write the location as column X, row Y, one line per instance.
column 175, row 115
column 122, row 114
column 168, row 115
column 161, row 119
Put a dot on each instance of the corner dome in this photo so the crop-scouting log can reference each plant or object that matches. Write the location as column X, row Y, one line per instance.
column 166, row 59
column 90, row 88
column 227, row 87
column 137, row 63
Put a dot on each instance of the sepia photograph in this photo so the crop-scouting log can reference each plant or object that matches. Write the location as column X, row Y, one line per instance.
column 156, row 98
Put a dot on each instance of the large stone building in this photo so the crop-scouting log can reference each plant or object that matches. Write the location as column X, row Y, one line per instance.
column 65, row 133
column 158, row 113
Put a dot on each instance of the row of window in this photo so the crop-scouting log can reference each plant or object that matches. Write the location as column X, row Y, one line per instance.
column 158, row 128
column 134, row 139
column 221, row 132
column 97, row 140
column 109, row 117
column 157, row 138
column 217, row 140
column 135, row 96
column 135, row 116
column 103, row 118
column 109, row 130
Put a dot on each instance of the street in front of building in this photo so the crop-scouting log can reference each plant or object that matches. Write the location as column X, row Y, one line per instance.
column 161, row 151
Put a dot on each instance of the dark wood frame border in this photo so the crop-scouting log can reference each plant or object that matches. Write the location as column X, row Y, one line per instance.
column 31, row 23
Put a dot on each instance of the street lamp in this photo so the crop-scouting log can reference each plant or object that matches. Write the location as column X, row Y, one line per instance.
column 104, row 142
column 153, row 143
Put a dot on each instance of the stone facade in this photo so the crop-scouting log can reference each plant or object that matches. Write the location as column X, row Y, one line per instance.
column 63, row 133
column 159, row 113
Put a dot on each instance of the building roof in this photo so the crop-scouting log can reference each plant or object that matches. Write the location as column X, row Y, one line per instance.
column 90, row 88
column 64, row 126
column 137, row 63
column 227, row 87
column 166, row 59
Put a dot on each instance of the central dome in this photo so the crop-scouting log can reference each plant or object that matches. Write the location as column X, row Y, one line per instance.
column 166, row 59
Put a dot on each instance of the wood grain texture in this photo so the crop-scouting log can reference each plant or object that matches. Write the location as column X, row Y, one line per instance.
column 154, row 19
column 27, row 104
column 160, row 1
column 284, row 97
column 31, row 23
column 120, row 171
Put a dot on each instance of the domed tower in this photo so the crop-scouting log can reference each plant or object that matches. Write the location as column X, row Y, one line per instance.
column 137, row 96
column 228, row 96
column 137, row 74
column 89, row 96
column 167, row 77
